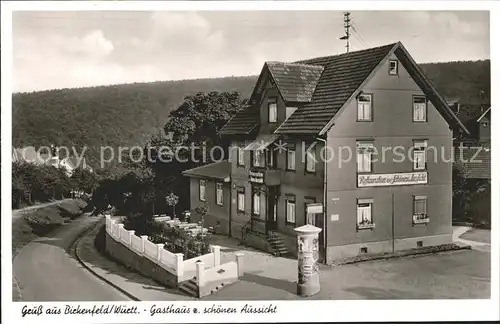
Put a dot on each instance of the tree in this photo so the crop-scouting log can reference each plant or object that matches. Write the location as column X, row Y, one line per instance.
column 196, row 123
column 171, row 201
column 83, row 180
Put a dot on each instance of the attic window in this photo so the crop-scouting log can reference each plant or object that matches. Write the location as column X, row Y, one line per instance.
column 273, row 110
column 393, row 67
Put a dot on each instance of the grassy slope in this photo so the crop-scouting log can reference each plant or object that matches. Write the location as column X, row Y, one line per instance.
column 39, row 222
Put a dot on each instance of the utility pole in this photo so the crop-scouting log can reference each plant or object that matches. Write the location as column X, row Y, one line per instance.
column 347, row 26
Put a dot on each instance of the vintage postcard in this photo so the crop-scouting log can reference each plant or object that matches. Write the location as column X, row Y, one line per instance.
column 170, row 162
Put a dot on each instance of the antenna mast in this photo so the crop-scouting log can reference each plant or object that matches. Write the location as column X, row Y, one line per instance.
column 347, row 26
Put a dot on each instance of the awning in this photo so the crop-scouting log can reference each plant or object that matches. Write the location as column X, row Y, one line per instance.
column 261, row 143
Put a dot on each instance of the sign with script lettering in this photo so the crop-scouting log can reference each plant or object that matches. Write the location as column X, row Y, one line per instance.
column 256, row 177
column 392, row 179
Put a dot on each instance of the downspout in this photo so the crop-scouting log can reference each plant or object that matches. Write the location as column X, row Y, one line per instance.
column 325, row 203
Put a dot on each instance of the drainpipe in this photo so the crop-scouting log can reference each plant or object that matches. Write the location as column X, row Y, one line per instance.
column 325, row 203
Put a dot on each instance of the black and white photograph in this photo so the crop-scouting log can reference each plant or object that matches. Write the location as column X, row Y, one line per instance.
column 173, row 163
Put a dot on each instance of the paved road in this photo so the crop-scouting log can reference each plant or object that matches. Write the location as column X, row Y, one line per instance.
column 46, row 272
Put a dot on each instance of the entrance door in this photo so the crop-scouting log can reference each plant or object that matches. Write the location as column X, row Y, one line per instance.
column 272, row 213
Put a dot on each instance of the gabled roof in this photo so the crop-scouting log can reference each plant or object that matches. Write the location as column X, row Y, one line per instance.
column 342, row 77
column 218, row 171
column 296, row 82
column 343, row 74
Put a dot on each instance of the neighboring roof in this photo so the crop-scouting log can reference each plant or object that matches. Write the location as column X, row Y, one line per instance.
column 243, row 122
column 486, row 113
column 475, row 165
column 295, row 82
column 29, row 154
column 217, row 171
column 343, row 75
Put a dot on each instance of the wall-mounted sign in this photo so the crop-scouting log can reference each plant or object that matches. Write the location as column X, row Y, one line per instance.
column 334, row 217
column 315, row 208
column 256, row 177
column 392, row 179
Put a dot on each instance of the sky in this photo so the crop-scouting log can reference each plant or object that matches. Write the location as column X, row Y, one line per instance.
column 53, row 50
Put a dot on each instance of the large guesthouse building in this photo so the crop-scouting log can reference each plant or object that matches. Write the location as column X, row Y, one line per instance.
column 358, row 144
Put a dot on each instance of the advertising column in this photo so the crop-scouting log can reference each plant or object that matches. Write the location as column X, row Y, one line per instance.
column 308, row 253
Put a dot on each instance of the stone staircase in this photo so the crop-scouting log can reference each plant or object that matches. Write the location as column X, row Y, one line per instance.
column 277, row 245
column 189, row 287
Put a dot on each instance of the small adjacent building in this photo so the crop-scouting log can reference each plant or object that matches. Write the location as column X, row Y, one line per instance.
column 320, row 142
column 473, row 150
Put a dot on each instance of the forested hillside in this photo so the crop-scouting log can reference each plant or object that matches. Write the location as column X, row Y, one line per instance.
column 121, row 115
column 118, row 115
column 467, row 81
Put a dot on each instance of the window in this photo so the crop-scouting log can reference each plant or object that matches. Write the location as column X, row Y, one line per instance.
column 365, row 107
column 290, row 111
column 219, row 194
column 364, row 213
column 419, row 109
column 419, row 155
column 241, row 199
column 202, row 190
column 393, row 67
column 271, row 158
column 273, row 110
column 257, row 158
column 364, row 156
column 311, row 160
column 241, row 155
column 420, row 209
column 290, row 158
column 255, row 202
column 290, row 209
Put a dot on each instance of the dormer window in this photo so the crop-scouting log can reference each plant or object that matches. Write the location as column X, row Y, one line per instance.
column 273, row 110
column 393, row 67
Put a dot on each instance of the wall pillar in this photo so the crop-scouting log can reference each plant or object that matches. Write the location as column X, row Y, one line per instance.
column 180, row 264
column 130, row 233
column 144, row 238
column 239, row 263
column 216, row 251
column 200, row 274
column 159, row 247
column 308, row 254
column 120, row 226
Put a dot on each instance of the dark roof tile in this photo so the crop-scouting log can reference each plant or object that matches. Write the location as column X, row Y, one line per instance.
column 296, row 82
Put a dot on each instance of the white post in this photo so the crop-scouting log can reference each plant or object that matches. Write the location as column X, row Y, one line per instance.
column 216, row 251
column 130, row 233
column 120, row 226
column 159, row 247
column 200, row 274
column 239, row 263
column 108, row 222
column 144, row 238
column 180, row 264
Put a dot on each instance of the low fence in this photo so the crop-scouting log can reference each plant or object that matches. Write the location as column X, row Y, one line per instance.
column 207, row 269
column 172, row 262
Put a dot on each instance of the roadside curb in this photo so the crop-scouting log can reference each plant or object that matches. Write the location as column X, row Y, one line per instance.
column 87, row 267
column 402, row 254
